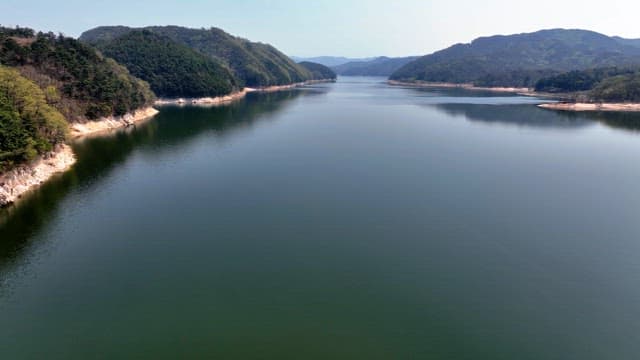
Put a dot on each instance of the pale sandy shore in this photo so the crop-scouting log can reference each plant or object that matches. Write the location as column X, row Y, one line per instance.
column 24, row 178
column 18, row 181
column 108, row 124
column 629, row 107
column 221, row 100
column 425, row 84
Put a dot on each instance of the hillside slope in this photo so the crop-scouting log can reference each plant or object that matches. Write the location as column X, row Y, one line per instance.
column 253, row 64
column 519, row 60
column 77, row 80
column 171, row 69
column 319, row 71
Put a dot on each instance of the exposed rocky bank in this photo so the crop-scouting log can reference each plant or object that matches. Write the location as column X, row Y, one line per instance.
column 18, row 181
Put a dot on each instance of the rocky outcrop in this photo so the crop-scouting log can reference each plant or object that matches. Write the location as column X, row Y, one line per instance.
column 111, row 123
column 16, row 182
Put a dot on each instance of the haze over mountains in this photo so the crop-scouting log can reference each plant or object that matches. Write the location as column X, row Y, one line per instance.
column 330, row 61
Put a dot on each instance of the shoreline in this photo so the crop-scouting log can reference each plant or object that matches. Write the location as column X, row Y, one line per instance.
column 108, row 124
column 465, row 86
column 27, row 177
column 238, row 95
column 559, row 106
column 563, row 106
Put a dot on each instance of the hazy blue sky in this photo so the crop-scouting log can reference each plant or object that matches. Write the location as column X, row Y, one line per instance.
column 335, row 27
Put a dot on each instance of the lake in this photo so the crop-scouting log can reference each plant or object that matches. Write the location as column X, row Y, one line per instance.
column 350, row 220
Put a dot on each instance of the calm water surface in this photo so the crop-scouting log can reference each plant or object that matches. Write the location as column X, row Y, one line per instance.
column 340, row 221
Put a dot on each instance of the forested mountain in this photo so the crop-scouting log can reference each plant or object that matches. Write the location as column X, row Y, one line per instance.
column 380, row 66
column 171, row 69
column 48, row 80
column 253, row 64
column 520, row 60
column 318, row 71
column 76, row 79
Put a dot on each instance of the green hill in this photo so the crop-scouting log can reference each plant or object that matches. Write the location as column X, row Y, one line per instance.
column 380, row 66
column 47, row 81
column 520, row 60
column 78, row 81
column 253, row 64
column 171, row 69
column 318, row 71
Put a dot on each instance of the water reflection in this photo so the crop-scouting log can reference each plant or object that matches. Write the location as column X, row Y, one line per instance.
column 97, row 157
column 629, row 121
column 511, row 109
column 519, row 115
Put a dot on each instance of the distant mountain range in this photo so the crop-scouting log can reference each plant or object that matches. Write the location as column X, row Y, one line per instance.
column 521, row 59
column 374, row 66
column 380, row 66
column 329, row 61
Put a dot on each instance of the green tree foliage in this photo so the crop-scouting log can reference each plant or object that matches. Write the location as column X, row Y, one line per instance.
column 580, row 80
column 517, row 60
column 318, row 71
column 28, row 125
column 87, row 84
column 253, row 64
column 620, row 88
column 610, row 84
column 170, row 68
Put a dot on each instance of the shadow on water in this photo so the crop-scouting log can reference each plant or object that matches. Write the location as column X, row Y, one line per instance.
column 524, row 115
column 97, row 157
column 512, row 109
column 628, row 121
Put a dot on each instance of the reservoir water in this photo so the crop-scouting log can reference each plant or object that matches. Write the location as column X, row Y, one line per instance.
column 339, row 221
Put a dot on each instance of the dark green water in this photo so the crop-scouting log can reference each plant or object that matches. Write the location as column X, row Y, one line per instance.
column 342, row 221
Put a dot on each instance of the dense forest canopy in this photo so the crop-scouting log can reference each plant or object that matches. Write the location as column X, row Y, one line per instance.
column 581, row 80
column 620, row 88
column 609, row 84
column 252, row 64
column 78, row 81
column 520, row 60
column 171, row 69
column 28, row 125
